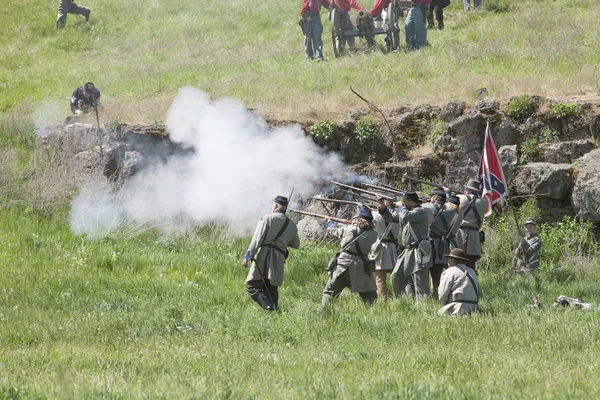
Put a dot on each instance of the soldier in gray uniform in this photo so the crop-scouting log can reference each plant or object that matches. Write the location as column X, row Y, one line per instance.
column 411, row 273
column 444, row 227
column 387, row 254
column 274, row 233
column 459, row 289
column 68, row 7
column 527, row 252
column 473, row 208
column 353, row 269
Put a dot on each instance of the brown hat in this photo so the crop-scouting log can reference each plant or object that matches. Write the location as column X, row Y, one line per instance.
column 458, row 254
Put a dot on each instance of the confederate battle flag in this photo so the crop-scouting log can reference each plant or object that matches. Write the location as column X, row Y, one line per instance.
column 493, row 184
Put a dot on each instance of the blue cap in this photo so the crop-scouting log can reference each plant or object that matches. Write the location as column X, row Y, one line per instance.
column 365, row 213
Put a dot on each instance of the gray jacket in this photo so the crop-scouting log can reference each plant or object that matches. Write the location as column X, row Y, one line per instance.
column 528, row 252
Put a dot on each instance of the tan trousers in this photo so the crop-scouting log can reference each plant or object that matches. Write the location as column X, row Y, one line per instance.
column 381, row 282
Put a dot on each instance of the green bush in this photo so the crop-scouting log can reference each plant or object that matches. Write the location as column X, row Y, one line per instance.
column 564, row 110
column 529, row 151
column 521, row 107
column 324, row 132
column 548, row 135
column 366, row 131
column 438, row 128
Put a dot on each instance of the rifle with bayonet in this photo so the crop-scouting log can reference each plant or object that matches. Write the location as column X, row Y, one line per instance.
column 334, row 219
column 434, row 184
column 352, row 202
column 386, row 197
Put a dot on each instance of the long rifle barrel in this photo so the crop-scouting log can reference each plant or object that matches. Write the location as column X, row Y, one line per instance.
column 385, row 189
column 334, row 219
column 434, row 184
column 356, row 203
column 364, row 191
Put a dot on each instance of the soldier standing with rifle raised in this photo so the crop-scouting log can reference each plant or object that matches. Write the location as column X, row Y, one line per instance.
column 444, row 227
column 411, row 274
column 351, row 267
column 274, row 233
column 473, row 208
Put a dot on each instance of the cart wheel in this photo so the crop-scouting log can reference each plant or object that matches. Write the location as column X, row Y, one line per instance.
column 336, row 32
column 394, row 30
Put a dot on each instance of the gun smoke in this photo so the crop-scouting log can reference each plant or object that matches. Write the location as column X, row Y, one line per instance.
column 237, row 164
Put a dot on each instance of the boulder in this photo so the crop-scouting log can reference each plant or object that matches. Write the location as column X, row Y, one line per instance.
column 565, row 152
column 132, row 163
column 509, row 159
column 113, row 154
column 586, row 193
column 468, row 132
column 452, row 110
column 487, row 105
column 506, row 132
column 552, row 180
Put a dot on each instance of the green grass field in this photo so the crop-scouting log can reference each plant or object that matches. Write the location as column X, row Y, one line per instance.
column 149, row 317
column 154, row 316
column 140, row 52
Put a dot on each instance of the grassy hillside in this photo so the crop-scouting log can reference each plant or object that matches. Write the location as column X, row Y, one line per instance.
column 140, row 52
column 149, row 317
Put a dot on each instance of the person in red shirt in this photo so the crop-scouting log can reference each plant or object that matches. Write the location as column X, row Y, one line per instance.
column 312, row 27
column 344, row 7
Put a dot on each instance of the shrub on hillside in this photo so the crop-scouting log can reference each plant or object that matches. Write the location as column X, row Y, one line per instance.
column 529, row 151
column 563, row 110
column 549, row 135
column 324, row 132
column 438, row 128
column 521, row 107
column 366, row 131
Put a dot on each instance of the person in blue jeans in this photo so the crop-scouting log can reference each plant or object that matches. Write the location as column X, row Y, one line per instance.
column 312, row 27
column 416, row 34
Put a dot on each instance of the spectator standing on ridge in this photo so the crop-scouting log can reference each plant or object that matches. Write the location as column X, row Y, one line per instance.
column 467, row 4
column 312, row 27
column 68, row 7
column 414, row 27
column 438, row 6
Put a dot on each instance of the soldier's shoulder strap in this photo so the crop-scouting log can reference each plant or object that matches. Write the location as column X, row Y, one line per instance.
column 473, row 209
column 283, row 228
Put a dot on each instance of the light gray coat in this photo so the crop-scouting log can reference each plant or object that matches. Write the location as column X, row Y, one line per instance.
column 419, row 219
column 442, row 230
column 268, row 262
column 472, row 208
column 528, row 253
column 455, row 287
column 359, row 281
column 389, row 244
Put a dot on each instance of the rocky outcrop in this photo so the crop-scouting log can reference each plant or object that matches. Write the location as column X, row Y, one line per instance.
column 509, row 159
column 586, row 193
column 112, row 157
column 549, row 180
column 565, row 152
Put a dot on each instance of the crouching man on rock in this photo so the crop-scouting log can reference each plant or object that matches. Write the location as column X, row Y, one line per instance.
column 459, row 290
column 268, row 251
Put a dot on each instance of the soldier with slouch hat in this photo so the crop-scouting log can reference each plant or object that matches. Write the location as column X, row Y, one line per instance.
column 445, row 225
column 459, row 289
column 411, row 273
column 387, row 253
column 268, row 251
column 353, row 268
column 473, row 208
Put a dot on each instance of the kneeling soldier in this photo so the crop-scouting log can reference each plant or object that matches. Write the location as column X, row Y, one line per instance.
column 274, row 233
column 353, row 268
column 84, row 99
column 459, row 290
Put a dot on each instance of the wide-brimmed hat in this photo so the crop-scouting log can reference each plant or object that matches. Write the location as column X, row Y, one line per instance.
column 474, row 184
column 530, row 221
column 458, row 254
column 365, row 213
column 412, row 196
column 281, row 200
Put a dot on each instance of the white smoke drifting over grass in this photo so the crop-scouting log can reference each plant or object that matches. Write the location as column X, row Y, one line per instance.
column 238, row 166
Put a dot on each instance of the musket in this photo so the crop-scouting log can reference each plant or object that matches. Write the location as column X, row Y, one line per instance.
column 334, row 219
column 364, row 191
column 434, row 184
column 386, row 189
column 356, row 203
column 98, row 124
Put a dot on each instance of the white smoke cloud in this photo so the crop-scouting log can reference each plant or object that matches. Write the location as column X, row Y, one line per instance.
column 238, row 165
